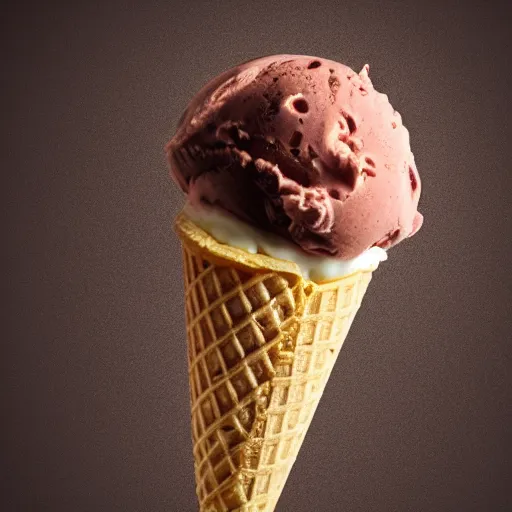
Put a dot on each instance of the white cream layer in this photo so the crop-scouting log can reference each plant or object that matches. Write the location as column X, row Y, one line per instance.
column 229, row 230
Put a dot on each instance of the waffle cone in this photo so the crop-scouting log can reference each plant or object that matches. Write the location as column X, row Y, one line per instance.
column 262, row 342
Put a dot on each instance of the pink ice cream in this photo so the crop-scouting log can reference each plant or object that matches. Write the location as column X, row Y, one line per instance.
column 302, row 147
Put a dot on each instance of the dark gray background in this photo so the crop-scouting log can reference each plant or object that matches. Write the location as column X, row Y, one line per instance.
column 416, row 416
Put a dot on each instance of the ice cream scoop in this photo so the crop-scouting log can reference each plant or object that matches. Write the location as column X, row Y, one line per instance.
column 302, row 147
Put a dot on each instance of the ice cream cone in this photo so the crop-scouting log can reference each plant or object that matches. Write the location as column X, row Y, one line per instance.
column 262, row 342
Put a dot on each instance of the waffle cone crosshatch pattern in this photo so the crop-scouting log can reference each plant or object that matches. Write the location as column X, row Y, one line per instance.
column 262, row 342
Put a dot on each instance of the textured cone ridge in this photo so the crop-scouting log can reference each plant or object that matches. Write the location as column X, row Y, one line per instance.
column 262, row 342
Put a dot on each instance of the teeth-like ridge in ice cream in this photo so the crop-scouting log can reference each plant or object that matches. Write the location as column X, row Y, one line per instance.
column 302, row 147
column 309, row 207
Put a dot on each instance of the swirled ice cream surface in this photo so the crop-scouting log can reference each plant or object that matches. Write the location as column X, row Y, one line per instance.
column 302, row 147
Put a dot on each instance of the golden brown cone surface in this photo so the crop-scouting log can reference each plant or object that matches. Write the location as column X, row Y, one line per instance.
column 262, row 342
